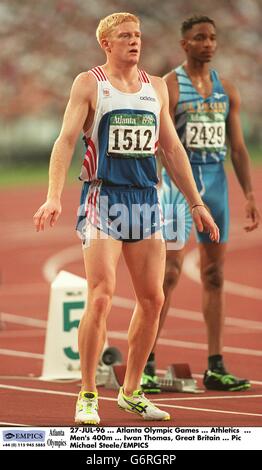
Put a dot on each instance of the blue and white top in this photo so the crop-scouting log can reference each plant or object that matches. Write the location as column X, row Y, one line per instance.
column 201, row 122
column 122, row 141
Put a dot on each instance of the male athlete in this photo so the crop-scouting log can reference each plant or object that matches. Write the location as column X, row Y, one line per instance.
column 205, row 109
column 123, row 114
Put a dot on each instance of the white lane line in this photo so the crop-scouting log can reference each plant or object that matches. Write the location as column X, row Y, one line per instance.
column 24, row 289
column 60, row 259
column 235, row 397
column 191, row 270
column 129, row 304
column 122, row 336
column 12, row 352
column 14, row 424
column 190, row 266
column 46, row 391
column 208, row 410
column 22, row 320
column 202, row 346
column 28, row 333
column 186, row 314
column 37, row 390
column 56, row 392
column 198, row 316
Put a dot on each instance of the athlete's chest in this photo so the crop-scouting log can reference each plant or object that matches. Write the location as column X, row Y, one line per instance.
column 204, row 119
column 144, row 100
column 129, row 122
column 203, row 87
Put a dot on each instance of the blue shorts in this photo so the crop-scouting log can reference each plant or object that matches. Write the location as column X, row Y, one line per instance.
column 211, row 183
column 127, row 214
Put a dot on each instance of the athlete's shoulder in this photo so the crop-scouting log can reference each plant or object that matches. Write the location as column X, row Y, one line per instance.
column 171, row 80
column 155, row 79
column 83, row 85
column 160, row 88
column 84, row 78
column 230, row 89
column 171, row 76
column 158, row 82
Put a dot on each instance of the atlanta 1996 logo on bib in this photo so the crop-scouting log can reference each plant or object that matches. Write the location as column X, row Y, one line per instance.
column 132, row 135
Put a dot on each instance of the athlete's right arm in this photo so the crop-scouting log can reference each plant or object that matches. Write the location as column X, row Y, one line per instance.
column 76, row 114
column 173, row 93
column 179, row 167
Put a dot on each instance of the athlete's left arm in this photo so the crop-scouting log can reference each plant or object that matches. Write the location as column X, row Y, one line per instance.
column 240, row 156
column 178, row 165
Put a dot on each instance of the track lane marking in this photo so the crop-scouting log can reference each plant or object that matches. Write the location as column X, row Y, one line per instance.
column 69, row 394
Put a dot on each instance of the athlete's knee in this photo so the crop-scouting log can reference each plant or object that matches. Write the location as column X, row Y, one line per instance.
column 153, row 302
column 212, row 276
column 172, row 273
column 100, row 299
column 102, row 302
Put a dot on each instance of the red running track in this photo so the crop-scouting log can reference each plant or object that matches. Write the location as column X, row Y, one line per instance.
column 24, row 292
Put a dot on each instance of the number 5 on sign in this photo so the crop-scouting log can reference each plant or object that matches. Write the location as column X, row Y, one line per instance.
column 69, row 324
column 66, row 306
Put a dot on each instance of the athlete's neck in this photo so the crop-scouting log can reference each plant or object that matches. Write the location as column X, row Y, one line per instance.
column 127, row 74
column 197, row 69
column 200, row 78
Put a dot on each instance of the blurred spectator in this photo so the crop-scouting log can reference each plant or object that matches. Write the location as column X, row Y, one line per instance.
column 46, row 44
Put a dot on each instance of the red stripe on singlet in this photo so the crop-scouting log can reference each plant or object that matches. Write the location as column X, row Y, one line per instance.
column 140, row 76
column 92, row 146
column 101, row 72
column 95, row 208
column 145, row 77
column 86, row 164
column 90, row 160
column 94, row 71
column 89, row 208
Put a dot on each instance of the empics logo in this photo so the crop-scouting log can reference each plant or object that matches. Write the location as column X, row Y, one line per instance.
column 24, row 435
column 8, row 436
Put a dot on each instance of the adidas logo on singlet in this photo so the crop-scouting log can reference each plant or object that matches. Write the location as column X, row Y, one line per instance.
column 147, row 98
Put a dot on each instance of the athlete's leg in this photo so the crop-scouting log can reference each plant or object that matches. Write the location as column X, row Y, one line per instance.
column 146, row 264
column 101, row 258
column 176, row 231
column 212, row 257
column 212, row 266
column 174, row 262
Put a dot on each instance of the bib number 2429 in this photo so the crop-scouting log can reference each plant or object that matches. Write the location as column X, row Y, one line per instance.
column 205, row 135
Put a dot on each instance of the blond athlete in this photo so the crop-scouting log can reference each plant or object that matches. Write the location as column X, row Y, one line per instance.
column 123, row 114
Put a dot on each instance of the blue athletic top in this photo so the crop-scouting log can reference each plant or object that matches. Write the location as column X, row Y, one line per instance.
column 121, row 144
column 201, row 122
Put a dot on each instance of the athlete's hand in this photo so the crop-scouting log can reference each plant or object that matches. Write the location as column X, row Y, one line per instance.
column 50, row 210
column 252, row 213
column 205, row 223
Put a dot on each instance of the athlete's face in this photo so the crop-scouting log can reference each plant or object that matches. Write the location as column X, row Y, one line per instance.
column 124, row 43
column 200, row 42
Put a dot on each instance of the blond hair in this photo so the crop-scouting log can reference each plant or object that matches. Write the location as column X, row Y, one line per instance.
column 107, row 24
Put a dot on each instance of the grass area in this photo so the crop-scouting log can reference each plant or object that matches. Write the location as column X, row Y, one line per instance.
column 25, row 175
column 256, row 154
column 31, row 175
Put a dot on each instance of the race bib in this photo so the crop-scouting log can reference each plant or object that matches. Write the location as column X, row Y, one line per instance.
column 132, row 135
column 205, row 135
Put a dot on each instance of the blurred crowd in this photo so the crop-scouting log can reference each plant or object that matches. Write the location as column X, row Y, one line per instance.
column 46, row 43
